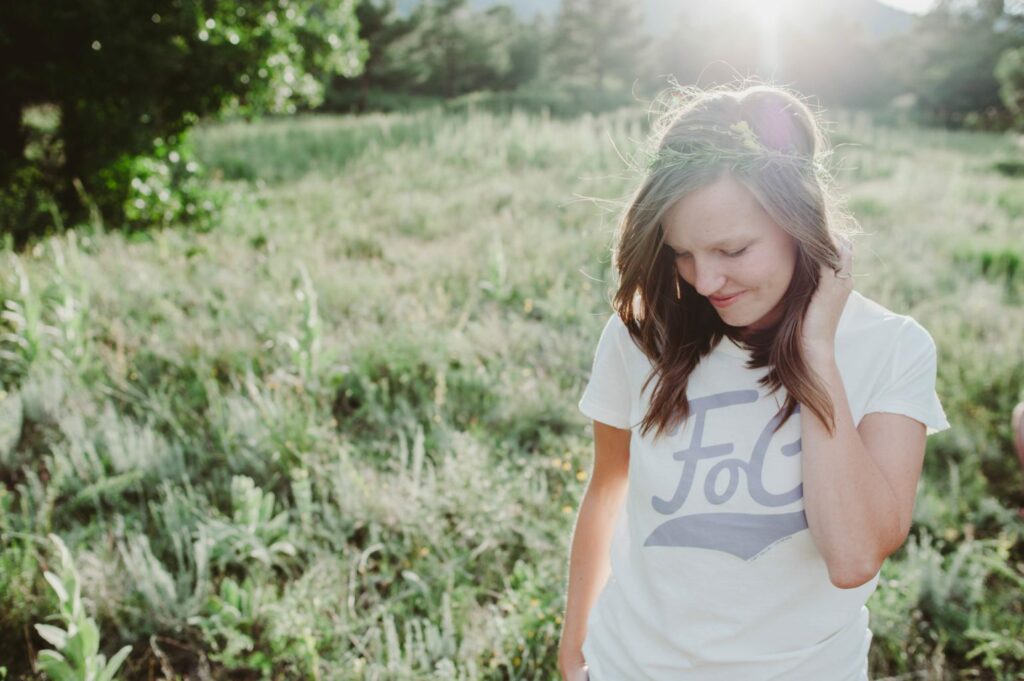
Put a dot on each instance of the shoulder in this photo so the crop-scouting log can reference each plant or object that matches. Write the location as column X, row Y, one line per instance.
column 615, row 328
column 866, row 323
column 617, row 334
column 863, row 315
column 612, row 333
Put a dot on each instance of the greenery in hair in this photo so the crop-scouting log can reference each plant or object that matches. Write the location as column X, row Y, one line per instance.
column 742, row 150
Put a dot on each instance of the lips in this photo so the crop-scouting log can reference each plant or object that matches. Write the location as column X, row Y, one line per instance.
column 722, row 299
column 726, row 301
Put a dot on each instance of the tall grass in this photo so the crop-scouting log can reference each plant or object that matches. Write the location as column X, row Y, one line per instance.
column 337, row 436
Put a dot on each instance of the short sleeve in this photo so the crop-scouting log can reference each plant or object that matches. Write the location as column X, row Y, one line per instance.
column 606, row 397
column 909, row 386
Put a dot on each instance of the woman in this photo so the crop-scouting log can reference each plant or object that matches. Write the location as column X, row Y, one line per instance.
column 759, row 425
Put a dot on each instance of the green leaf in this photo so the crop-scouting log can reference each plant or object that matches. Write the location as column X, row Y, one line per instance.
column 55, row 636
column 266, row 507
column 74, row 652
column 115, row 662
column 284, row 547
column 55, row 582
column 90, row 636
column 55, row 666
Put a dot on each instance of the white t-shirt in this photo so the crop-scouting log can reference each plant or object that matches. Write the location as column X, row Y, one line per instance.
column 714, row 575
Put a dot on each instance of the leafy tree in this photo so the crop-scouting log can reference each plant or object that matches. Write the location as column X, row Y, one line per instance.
column 521, row 44
column 453, row 50
column 380, row 27
column 948, row 61
column 442, row 49
column 1010, row 74
column 599, row 39
column 121, row 74
column 1009, row 71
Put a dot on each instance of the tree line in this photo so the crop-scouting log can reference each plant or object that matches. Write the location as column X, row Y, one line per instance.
column 959, row 65
column 96, row 98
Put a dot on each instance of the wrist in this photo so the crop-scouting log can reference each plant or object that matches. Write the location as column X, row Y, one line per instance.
column 818, row 351
column 571, row 655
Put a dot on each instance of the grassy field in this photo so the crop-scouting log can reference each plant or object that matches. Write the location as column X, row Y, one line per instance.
column 336, row 437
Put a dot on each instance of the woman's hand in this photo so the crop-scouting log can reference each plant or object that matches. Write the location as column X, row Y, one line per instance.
column 822, row 317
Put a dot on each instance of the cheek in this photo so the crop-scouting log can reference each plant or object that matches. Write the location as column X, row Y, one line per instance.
column 763, row 270
column 752, row 277
column 685, row 272
column 771, row 273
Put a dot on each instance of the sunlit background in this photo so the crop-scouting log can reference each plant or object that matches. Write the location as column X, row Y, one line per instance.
column 299, row 297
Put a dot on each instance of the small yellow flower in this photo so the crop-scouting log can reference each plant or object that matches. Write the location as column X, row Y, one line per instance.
column 581, row 475
column 424, row 551
column 566, row 466
column 528, row 305
column 567, row 509
column 747, row 134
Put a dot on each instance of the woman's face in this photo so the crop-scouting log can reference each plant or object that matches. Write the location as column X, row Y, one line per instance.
column 727, row 244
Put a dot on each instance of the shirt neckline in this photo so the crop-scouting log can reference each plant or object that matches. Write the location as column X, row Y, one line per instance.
column 728, row 346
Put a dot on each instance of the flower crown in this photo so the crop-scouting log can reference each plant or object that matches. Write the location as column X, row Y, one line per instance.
column 745, row 151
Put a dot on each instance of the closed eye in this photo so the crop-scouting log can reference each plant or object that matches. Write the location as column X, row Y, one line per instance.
column 734, row 254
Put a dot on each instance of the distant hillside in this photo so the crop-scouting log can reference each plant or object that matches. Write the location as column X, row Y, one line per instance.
column 877, row 18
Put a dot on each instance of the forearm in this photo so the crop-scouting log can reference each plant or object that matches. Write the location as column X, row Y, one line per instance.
column 589, row 566
column 851, row 509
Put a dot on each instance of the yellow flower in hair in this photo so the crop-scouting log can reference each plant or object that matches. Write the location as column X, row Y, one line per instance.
column 747, row 134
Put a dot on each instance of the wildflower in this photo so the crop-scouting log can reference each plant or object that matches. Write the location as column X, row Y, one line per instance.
column 747, row 135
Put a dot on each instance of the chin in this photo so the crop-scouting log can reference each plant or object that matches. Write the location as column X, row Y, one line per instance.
column 750, row 322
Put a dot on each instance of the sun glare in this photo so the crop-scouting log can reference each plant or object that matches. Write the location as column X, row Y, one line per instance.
column 764, row 11
column 765, row 17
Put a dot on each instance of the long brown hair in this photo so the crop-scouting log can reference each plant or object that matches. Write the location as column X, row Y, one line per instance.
column 703, row 133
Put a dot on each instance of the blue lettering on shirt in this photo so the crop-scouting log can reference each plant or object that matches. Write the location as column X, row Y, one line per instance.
column 744, row 535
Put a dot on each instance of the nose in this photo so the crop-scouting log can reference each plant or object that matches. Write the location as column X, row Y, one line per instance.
column 706, row 278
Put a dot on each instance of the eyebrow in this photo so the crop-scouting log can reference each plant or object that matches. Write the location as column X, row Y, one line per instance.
column 720, row 242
